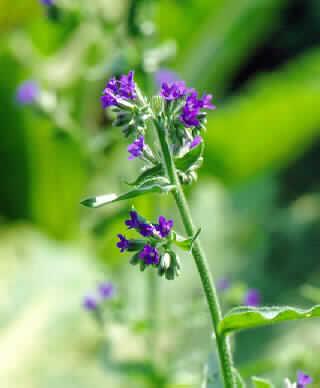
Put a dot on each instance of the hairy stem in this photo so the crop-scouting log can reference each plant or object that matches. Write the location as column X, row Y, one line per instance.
column 223, row 347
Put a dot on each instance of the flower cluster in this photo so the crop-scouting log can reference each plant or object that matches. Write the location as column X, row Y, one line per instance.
column 154, row 248
column 131, row 113
column 116, row 90
column 186, row 113
column 105, row 291
column 178, row 109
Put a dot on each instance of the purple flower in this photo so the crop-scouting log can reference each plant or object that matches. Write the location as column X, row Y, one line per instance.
column 127, row 87
column 192, row 108
column 206, row 102
column 303, row 380
column 165, row 75
column 27, row 92
column 109, row 94
column 223, row 284
column 252, row 298
column 164, row 226
column 48, row 3
column 106, row 290
column 90, row 303
column 123, row 244
column 149, row 255
column 146, row 230
column 173, row 91
column 136, row 148
column 133, row 222
column 195, row 142
column 124, row 88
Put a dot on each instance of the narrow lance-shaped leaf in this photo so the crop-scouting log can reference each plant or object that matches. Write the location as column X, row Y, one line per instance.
column 258, row 382
column 153, row 172
column 190, row 159
column 242, row 318
column 155, row 185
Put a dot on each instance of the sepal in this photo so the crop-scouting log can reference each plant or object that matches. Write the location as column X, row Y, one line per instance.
column 136, row 245
column 135, row 259
column 170, row 266
column 184, row 243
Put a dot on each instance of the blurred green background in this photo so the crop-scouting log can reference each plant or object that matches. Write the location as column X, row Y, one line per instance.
column 257, row 197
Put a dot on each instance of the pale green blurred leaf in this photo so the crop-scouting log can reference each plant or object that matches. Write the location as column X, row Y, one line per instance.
column 212, row 378
column 47, row 339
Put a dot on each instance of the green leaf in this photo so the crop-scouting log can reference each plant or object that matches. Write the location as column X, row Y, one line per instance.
column 190, row 160
column 185, row 243
column 242, row 318
column 154, row 185
column 258, row 382
column 153, row 172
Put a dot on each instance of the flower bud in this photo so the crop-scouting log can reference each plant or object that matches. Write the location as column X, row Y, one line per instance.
column 164, row 264
column 173, row 270
column 135, row 259
column 122, row 119
column 136, row 245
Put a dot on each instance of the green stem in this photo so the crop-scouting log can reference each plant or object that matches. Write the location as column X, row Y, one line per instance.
column 224, row 352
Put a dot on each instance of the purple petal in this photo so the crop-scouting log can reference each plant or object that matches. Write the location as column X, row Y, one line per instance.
column 149, row 255
column 206, row 102
column 106, row 290
column 123, row 243
column 136, row 148
column 195, row 142
column 303, row 379
column 223, row 284
column 90, row 303
column 48, row 3
column 27, row 92
column 165, row 76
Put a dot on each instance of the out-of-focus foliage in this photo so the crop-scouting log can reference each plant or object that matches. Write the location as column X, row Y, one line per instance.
column 256, row 200
column 257, row 130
